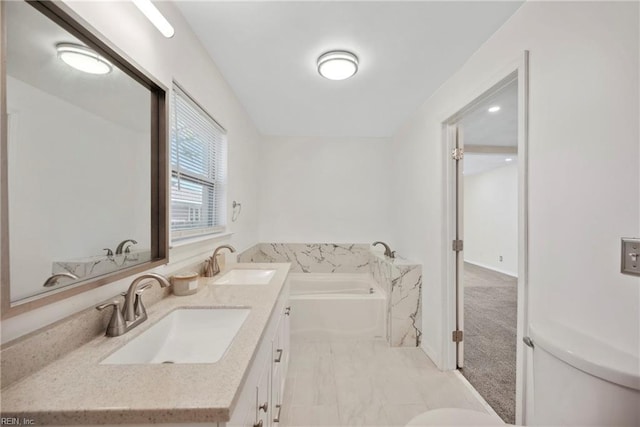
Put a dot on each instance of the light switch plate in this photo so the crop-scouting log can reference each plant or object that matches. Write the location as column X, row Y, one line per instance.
column 630, row 256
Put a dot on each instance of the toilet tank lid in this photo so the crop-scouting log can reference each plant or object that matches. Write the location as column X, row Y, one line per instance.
column 587, row 353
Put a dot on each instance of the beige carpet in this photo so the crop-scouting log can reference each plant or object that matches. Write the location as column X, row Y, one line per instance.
column 490, row 315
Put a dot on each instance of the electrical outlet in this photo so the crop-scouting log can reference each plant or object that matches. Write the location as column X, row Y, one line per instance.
column 630, row 256
column 500, row 258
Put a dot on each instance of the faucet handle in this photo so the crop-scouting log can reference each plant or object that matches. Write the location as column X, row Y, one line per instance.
column 116, row 325
column 143, row 288
column 137, row 305
column 114, row 303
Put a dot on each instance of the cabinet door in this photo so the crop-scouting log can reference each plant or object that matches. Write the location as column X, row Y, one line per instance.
column 285, row 339
column 276, row 394
column 277, row 353
column 263, row 402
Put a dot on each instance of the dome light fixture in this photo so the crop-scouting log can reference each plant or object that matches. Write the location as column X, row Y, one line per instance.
column 83, row 58
column 337, row 65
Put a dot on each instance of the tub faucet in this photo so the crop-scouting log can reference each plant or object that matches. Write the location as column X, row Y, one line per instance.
column 133, row 313
column 214, row 260
column 121, row 245
column 387, row 250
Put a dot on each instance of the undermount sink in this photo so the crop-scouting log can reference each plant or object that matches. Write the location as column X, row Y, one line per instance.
column 187, row 335
column 246, row 277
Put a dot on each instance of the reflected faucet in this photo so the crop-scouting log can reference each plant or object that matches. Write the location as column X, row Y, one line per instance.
column 387, row 250
column 54, row 280
column 133, row 313
column 121, row 245
column 215, row 267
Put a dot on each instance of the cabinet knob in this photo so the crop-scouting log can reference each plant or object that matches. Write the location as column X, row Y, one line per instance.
column 258, row 424
column 264, row 406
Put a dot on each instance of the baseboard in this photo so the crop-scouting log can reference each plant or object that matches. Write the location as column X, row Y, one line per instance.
column 479, row 397
column 431, row 354
column 492, row 268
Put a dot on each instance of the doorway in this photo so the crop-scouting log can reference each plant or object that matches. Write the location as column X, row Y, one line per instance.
column 490, row 251
column 489, row 223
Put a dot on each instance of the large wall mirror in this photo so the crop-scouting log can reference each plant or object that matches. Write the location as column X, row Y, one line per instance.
column 83, row 150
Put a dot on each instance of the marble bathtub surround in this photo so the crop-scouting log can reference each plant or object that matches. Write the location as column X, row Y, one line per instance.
column 312, row 257
column 77, row 390
column 400, row 278
column 34, row 351
column 97, row 265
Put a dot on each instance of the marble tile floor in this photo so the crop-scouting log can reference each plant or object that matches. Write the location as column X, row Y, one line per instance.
column 366, row 383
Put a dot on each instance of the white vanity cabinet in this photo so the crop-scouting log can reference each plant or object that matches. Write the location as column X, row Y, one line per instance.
column 261, row 398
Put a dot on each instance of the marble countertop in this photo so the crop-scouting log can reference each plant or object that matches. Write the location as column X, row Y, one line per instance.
column 77, row 390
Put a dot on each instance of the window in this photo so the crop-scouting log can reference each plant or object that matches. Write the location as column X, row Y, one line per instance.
column 198, row 170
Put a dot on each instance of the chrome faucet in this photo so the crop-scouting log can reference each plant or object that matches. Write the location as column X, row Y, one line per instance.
column 215, row 267
column 53, row 280
column 121, row 245
column 387, row 250
column 133, row 313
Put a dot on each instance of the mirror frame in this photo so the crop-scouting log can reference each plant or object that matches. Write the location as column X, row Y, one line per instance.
column 74, row 24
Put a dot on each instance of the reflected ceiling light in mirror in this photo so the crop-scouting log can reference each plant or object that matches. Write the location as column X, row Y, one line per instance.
column 83, row 58
column 157, row 19
column 494, row 109
column 337, row 65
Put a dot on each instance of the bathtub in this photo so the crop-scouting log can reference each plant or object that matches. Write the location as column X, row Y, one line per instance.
column 336, row 306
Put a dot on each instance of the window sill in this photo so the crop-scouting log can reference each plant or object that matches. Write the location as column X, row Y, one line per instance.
column 198, row 239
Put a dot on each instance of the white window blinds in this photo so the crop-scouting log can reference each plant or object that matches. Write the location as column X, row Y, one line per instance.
column 198, row 170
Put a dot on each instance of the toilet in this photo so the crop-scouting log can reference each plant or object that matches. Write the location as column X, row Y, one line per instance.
column 577, row 381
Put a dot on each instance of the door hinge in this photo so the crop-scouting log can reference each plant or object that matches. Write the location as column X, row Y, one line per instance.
column 457, row 336
column 457, row 154
column 457, row 245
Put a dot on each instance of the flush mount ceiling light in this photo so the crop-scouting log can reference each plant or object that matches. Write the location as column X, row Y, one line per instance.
column 494, row 109
column 157, row 19
column 337, row 65
column 82, row 58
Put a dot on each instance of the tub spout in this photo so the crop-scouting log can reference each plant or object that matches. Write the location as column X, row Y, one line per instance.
column 387, row 250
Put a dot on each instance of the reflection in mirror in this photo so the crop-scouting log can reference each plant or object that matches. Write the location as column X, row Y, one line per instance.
column 79, row 159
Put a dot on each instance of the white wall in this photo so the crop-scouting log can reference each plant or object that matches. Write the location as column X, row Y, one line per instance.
column 584, row 160
column 491, row 219
column 181, row 58
column 331, row 190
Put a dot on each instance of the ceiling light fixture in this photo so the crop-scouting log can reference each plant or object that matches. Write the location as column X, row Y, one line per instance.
column 157, row 19
column 508, row 159
column 337, row 65
column 83, row 58
column 494, row 109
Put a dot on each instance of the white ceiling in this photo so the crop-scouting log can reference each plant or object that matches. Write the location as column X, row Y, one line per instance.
column 267, row 51
column 479, row 163
column 480, row 127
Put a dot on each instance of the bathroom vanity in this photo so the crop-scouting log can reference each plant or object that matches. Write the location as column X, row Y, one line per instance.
column 243, row 388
